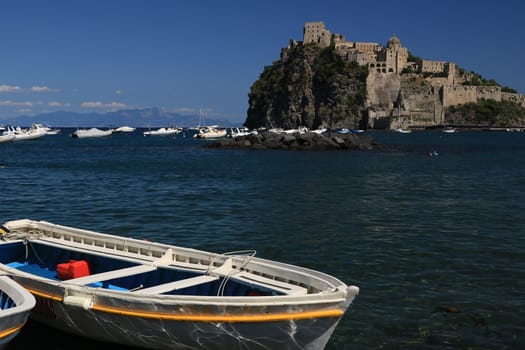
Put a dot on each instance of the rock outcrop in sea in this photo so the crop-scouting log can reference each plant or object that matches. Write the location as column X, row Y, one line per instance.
column 309, row 141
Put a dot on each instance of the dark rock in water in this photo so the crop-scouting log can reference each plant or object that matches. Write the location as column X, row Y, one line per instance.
column 309, row 141
column 447, row 309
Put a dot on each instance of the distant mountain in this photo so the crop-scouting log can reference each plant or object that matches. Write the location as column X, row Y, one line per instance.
column 147, row 117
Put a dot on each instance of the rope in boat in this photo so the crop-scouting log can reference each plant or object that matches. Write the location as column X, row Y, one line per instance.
column 247, row 254
column 25, row 237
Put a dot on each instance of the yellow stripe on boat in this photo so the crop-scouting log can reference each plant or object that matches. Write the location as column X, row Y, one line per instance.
column 45, row 295
column 224, row 318
column 7, row 332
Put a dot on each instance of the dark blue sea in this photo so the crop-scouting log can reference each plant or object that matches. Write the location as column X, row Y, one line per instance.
column 435, row 243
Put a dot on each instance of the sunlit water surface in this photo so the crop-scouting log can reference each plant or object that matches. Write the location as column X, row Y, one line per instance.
column 420, row 235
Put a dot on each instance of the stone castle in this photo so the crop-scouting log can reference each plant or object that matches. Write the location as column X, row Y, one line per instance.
column 392, row 97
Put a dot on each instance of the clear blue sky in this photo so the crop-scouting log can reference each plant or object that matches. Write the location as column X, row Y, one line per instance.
column 99, row 55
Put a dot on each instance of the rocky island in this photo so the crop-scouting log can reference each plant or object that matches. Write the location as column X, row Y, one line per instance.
column 330, row 82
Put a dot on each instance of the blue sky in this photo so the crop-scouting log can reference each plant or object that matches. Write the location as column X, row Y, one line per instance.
column 182, row 56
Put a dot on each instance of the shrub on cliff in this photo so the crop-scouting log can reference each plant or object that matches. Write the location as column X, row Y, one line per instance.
column 487, row 113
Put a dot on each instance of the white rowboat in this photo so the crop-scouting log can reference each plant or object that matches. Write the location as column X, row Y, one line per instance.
column 159, row 296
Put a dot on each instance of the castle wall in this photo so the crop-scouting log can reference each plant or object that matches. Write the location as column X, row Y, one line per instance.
column 367, row 47
column 459, row 94
column 437, row 81
column 362, row 58
column 451, row 69
column 428, row 66
column 516, row 98
column 488, row 93
column 344, row 46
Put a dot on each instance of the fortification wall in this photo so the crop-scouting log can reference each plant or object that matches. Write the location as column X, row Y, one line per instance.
column 516, row 98
column 432, row 66
column 459, row 94
column 488, row 93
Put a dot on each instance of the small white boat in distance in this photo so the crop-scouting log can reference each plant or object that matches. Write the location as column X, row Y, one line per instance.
column 47, row 129
column 163, row 131
column 210, row 132
column 138, row 293
column 125, row 129
column 319, row 130
column 90, row 133
column 26, row 134
column 403, row 131
column 237, row 132
column 299, row 130
column 449, row 130
column 16, row 304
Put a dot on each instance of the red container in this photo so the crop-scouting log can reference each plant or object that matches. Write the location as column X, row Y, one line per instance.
column 72, row 269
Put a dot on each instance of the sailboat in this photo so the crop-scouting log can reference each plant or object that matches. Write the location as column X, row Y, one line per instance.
column 208, row 131
column 400, row 128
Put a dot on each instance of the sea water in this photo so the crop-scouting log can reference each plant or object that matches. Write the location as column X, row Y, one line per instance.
column 430, row 226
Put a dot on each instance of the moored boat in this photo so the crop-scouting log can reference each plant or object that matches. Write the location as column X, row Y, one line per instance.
column 237, row 132
column 25, row 134
column 15, row 306
column 210, row 132
column 403, row 131
column 90, row 133
column 46, row 129
column 163, row 131
column 125, row 129
column 158, row 296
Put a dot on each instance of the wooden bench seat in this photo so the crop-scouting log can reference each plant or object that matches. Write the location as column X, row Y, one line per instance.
column 180, row 284
column 109, row 275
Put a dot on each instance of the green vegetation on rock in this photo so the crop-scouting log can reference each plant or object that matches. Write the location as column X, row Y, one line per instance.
column 488, row 113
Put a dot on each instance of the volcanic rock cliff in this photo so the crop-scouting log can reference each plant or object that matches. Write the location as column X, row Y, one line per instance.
column 309, row 86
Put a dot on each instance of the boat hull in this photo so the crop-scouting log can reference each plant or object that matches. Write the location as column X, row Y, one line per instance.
column 6, row 138
column 154, row 323
column 16, row 306
column 158, row 333
column 91, row 133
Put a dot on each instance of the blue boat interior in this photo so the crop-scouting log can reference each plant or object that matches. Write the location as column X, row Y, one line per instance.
column 42, row 260
column 5, row 301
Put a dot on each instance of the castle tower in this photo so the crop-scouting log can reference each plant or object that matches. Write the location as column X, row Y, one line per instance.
column 396, row 55
column 315, row 32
